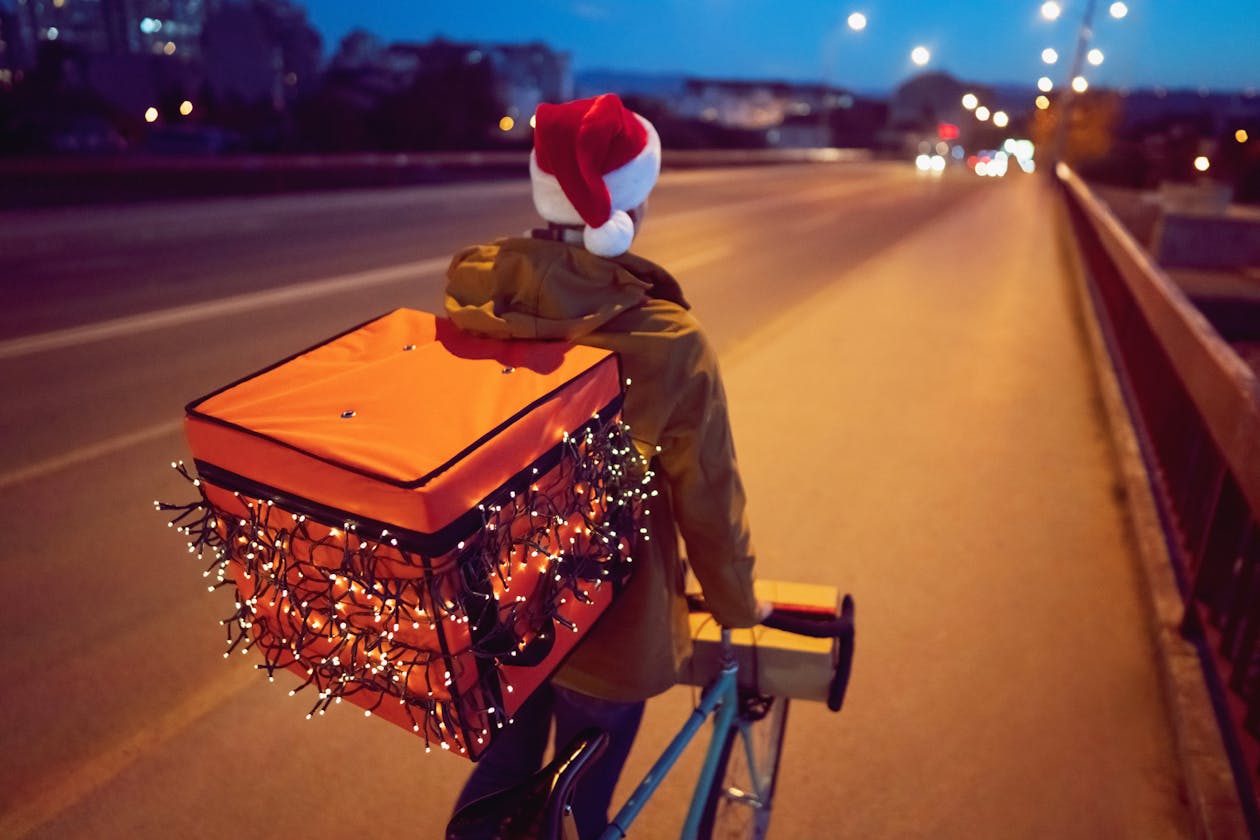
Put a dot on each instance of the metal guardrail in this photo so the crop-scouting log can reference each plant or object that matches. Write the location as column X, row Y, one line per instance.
column 1195, row 406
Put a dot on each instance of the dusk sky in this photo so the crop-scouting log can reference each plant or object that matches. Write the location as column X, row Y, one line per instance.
column 1172, row 43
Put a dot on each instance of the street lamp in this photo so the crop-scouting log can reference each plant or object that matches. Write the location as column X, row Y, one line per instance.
column 151, row 115
column 982, row 113
column 1080, row 84
column 970, row 101
column 1049, row 55
column 1051, row 10
column 185, row 107
column 1045, row 84
column 1000, row 119
column 857, row 21
column 920, row 55
column 1095, row 57
column 1119, row 10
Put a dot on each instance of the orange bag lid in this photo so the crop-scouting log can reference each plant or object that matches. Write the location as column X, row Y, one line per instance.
column 403, row 403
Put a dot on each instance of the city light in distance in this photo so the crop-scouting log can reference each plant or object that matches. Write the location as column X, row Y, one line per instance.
column 970, row 101
column 1202, row 164
column 1080, row 85
column 1119, row 10
column 185, row 107
column 920, row 56
column 1241, row 135
column 1049, row 55
column 151, row 115
column 507, row 123
column 982, row 113
column 1000, row 119
column 1045, row 84
column 169, row 49
column 1043, row 102
column 857, row 21
column 1095, row 57
column 1051, row 10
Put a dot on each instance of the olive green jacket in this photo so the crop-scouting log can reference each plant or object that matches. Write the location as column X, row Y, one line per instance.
column 543, row 289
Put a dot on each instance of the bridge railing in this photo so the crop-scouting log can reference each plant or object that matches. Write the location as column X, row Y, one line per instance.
column 1195, row 407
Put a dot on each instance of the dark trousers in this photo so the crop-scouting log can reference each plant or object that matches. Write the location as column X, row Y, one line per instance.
column 518, row 750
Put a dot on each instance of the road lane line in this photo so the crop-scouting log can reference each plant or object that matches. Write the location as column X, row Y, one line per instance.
column 181, row 315
column 87, row 453
column 699, row 258
column 75, row 785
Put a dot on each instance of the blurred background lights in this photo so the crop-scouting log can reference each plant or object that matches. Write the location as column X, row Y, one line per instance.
column 150, row 25
column 1051, row 10
column 52, row 33
column 1000, row 119
column 1043, row 102
column 1049, row 55
column 1080, row 85
column 1202, row 164
column 533, row 119
column 151, row 115
column 1095, row 57
column 169, row 49
column 970, row 101
column 857, row 21
column 982, row 113
column 1045, row 84
column 1119, row 10
column 920, row 56
column 1241, row 135
column 507, row 123
column 185, row 107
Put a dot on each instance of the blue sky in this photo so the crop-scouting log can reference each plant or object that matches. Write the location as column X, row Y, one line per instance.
column 1172, row 43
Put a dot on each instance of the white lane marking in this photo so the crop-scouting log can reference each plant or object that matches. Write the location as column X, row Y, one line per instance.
column 181, row 315
column 88, row 453
column 86, row 777
column 699, row 258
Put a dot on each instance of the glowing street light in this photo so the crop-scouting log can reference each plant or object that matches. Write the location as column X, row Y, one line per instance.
column 857, row 21
column 1043, row 102
column 920, row 55
column 1051, row 10
column 1000, row 119
column 1080, row 85
column 1202, row 164
column 507, row 123
column 1119, row 10
column 982, row 113
column 151, row 115
column 1045, row 84
column 970, row 101
column 185, row 107
column 1094, row 57
column 1241, row 135
column 1049, row 55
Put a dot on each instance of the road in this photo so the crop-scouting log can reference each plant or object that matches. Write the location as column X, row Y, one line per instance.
column 916, row 424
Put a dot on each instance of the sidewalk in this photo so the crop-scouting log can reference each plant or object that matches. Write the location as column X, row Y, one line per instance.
column 1006, row 682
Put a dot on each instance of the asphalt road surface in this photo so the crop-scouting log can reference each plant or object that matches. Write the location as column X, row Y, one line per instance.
column 916, row 423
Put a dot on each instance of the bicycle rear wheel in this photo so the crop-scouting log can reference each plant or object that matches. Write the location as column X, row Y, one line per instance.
column 737, row 805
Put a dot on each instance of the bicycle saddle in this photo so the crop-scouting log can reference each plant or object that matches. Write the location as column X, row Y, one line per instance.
column 536, row 807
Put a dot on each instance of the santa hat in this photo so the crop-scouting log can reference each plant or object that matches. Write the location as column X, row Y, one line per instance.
column 593, row 159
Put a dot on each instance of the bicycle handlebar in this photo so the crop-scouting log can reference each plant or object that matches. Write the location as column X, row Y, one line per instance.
column 818, row 624
column 823, row 626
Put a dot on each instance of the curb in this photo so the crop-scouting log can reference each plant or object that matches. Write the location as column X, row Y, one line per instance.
column 1209, row 788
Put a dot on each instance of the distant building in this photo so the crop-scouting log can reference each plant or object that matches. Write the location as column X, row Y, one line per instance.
column 116, row 27
column 260, row 51
column 14, row 55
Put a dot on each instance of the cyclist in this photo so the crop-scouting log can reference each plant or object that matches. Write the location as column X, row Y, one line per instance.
column 593, row 164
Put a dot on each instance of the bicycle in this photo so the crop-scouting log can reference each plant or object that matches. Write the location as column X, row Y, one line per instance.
column 735, row 789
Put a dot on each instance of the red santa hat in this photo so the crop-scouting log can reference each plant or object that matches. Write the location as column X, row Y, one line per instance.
column 593, row 159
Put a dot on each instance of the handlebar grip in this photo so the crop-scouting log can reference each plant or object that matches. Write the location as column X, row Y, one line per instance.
column 840, row 680
column 839, row 627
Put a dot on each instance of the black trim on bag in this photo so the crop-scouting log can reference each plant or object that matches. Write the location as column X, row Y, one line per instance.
column 411, row 484
column 432, row 544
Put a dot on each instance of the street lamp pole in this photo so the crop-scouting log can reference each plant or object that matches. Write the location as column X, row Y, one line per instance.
column 1083, row 37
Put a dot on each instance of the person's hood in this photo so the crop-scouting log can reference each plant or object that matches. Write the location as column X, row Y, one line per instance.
column 540, row 288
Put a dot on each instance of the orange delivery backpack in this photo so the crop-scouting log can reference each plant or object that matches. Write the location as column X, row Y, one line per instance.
column 417, row 520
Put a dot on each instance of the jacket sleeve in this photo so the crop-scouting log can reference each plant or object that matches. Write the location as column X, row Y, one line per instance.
column 698, row 459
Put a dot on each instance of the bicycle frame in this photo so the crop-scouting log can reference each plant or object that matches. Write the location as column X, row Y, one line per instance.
column 720, row 699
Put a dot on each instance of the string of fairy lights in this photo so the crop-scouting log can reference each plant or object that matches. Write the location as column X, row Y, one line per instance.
column 417, row 638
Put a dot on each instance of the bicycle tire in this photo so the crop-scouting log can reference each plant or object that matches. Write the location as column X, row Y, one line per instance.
column 729, row 812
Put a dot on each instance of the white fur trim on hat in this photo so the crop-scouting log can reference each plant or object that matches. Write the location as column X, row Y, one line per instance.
column 612, row 238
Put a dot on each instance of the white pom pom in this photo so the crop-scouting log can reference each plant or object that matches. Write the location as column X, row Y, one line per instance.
column 612, row 238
